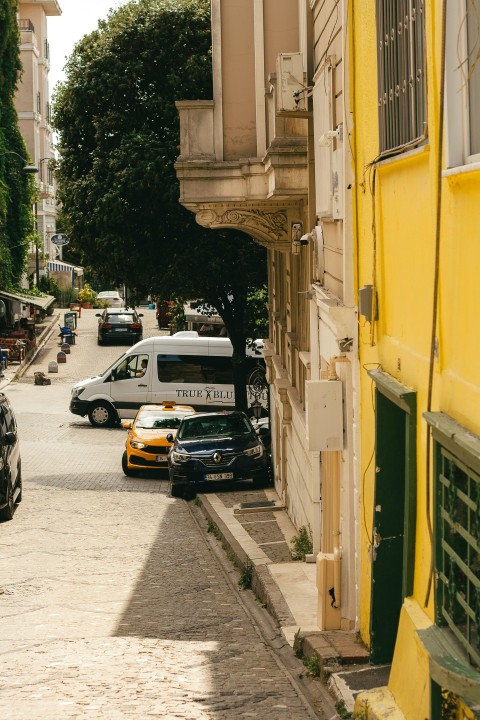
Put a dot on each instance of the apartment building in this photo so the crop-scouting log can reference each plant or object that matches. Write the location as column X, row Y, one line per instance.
column 344, row 136
column 270, row 155
column 32, row 102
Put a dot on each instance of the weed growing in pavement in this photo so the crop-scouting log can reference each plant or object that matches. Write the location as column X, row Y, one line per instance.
column 212, row 528
column 298, row 643
column 195, row 500
column 302, row 543
column 313, row 665
column 342, row 710
column 245, row 581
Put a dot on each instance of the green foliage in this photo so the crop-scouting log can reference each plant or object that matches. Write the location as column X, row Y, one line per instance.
column 17, row 190
column 342, row 710
column 48, row 286
column 118, row 141
column 246, row 576
column 298, row 643
column 213, row 529
column 313, row 665
column 302, row 543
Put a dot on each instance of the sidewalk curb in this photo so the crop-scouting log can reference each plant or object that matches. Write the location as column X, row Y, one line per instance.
column 43, row 338
column 262, row 583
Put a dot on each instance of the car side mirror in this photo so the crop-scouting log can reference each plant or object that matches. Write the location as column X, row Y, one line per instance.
column 10, row 438
column 98, row 314
column 170, row 437
column 127, row 424
column 140, row 314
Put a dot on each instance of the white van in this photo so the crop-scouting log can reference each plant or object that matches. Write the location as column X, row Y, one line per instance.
column 185, row 368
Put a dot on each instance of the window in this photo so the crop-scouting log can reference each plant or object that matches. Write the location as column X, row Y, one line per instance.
column 458, row 557
column 182, row 369
column 457, row 531
column 401, row 73
column 462, row 73
column 214, row 370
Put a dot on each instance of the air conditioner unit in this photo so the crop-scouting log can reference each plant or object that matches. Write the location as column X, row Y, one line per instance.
column 291, row 83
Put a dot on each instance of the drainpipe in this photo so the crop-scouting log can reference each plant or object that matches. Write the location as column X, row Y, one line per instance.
column 337, row 553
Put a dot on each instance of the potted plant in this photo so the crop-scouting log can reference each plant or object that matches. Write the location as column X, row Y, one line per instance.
column 86, row 296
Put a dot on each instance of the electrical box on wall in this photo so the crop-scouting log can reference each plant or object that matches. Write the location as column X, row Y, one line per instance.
column 324, row 414
column 290, row 79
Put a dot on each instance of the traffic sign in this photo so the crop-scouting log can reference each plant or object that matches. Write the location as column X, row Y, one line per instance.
column 60, row 239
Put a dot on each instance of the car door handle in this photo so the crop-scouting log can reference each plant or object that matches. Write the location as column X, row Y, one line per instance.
column 142, row 385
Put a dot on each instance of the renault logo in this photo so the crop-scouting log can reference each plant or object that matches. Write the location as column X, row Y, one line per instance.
column 217, row 458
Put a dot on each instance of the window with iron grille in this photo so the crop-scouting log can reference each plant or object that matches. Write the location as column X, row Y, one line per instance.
column 401, row 73
column 462, row 75
column 457, row 556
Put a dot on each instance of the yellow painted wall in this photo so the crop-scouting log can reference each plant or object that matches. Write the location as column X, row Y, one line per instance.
column 400, row 261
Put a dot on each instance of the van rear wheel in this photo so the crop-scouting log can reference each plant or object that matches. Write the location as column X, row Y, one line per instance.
column 102, row 414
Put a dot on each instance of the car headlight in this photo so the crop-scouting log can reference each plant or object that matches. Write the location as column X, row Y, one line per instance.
column 178, row 457
column 256, row 451
column 76, row 391
column 137, row 445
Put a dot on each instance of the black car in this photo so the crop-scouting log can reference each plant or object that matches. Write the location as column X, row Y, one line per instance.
column 119, row 325
column 10, row 463
column 216, row 448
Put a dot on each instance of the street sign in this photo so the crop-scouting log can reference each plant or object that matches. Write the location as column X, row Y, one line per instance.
column 60, row 239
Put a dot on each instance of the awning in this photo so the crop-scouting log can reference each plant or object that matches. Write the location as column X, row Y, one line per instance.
column 42, row 302
column 61, row 266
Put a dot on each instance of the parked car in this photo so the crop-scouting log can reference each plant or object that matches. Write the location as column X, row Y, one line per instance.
column 10, row 462
column 119, row 324
column 112, row 297
column 147, row 447
column 217, row 447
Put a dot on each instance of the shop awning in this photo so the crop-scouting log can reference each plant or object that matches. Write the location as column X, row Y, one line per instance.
column 61, row 266
column 42, row 302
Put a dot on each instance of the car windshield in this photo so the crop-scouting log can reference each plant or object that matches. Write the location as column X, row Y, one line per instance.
column 158, row 420
column 199, row 428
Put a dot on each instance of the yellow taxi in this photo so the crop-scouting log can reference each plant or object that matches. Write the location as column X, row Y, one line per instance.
column 147, row 447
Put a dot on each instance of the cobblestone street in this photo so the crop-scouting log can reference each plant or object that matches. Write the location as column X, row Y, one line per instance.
column 113, row 601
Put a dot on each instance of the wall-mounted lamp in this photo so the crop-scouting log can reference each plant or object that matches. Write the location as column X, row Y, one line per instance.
column 27, row 168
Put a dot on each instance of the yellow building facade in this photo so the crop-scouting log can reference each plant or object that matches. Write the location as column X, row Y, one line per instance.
column 416, row 155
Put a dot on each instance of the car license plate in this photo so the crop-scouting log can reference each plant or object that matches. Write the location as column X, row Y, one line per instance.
column 121, row 329
column 161, row 459
column 219, row 476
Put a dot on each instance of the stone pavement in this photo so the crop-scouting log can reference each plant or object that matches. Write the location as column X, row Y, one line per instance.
column 257, row 538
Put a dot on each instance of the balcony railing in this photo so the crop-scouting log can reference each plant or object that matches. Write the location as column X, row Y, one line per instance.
column 26, row 25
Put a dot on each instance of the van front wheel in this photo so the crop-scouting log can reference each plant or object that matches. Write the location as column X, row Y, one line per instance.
column 101, row 414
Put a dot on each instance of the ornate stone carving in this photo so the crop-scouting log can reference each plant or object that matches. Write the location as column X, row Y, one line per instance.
column 270, row 226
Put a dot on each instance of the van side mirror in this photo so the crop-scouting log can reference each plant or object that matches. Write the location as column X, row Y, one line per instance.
column 170, row 437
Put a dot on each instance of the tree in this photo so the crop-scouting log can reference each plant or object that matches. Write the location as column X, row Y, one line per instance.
column 17, row 190
column 118, row 141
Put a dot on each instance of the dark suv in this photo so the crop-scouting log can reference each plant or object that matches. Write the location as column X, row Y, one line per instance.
column 119, row 325
column 10, row 463
column 219, row 448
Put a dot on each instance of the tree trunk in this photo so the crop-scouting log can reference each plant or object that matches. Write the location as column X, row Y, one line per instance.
column 240, row 377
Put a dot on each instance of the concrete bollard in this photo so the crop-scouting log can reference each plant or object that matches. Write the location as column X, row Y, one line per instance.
column 61, row 357
column 66, row 348
column 52, row 367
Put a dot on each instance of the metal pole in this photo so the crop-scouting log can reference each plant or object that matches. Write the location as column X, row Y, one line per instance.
column 37, row 261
